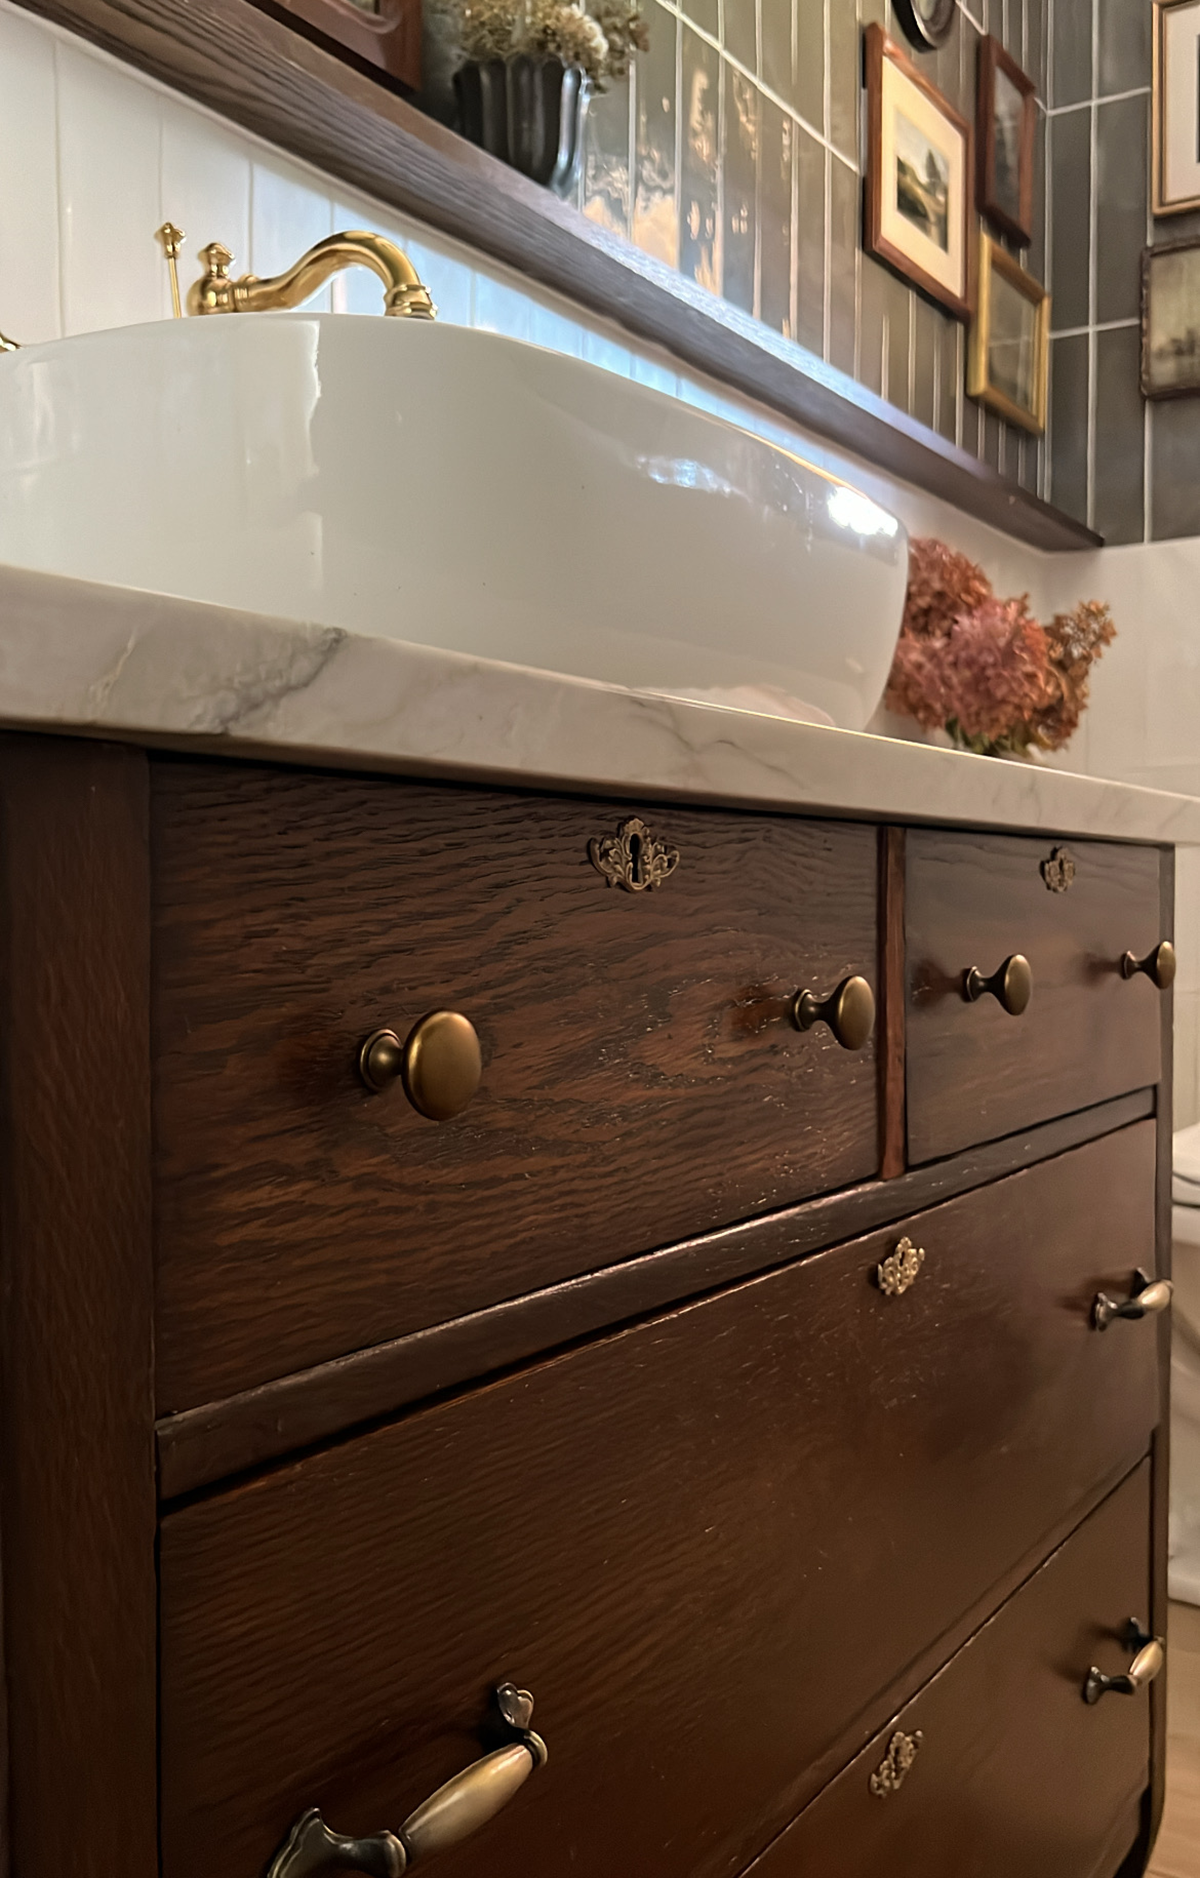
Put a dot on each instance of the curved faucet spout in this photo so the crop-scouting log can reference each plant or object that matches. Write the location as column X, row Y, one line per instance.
column 405, row 297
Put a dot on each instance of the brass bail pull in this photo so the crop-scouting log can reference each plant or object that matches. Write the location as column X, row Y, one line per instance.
column 1011, row 984
column 1147, row 1298
column 1158, row 966
column 849, row 1011
column 1146, row 1665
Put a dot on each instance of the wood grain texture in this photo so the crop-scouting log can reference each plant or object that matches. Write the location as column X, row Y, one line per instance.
column 1161, row 1486
column 1088, row 1034
column 1014, row 1772
column 892, row 1002
column 642, row 1081
column 714, row 1546
column 78, row 1506
column 263, row 75
column 200, row 1446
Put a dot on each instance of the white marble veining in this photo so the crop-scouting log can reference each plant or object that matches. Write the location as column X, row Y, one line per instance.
column 78, row 656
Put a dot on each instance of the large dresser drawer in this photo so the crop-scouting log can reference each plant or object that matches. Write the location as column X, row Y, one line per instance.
column 974, row 1071
column 641, row 1083
column 720, row 1548
column 999, row 1766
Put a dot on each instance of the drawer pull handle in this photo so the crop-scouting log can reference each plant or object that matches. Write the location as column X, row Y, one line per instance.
column 849, row 1010
column 1011, row 984
column 1146, row 1299
column 1158, row 966
column 1144, row 1668
column 466, row 1802
column 439, row 1065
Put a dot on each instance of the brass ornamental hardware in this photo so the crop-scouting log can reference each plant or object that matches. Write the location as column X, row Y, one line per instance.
column 899, row 1272
column 1011, row 984
column 849, row 1011
column 172, row 240
column 448, row 1816
column 1147, row 1298
column 1059, row 871
column 632, row 858
column 8, row 345
column 1158, row 966
column 896, row 1765
column 439, row 1064
column 404, row 295
column 1145, row 1666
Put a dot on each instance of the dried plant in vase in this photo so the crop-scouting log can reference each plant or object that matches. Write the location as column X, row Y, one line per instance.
column 983, row 669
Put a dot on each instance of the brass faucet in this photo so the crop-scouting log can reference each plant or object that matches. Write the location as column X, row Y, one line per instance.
column 404, row 296
column 8, row 345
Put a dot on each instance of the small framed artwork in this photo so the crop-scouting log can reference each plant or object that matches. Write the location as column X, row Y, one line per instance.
column 1171, row 320
column 1176, row 112
column 1007, row 128
column 383, row 36
column 1008, row 361
column 919, row 168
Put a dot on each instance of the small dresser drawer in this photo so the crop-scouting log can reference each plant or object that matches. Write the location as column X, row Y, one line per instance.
column 641, row 1079
column 1072, row 911
column 720, row 1548
column 1000, row 1766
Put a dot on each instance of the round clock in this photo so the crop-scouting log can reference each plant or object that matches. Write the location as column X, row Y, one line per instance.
column 927, row 22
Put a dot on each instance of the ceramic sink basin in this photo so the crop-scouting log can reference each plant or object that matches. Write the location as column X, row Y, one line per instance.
column 451, row 487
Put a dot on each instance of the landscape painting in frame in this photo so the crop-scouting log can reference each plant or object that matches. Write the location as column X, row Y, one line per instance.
column 919, row 170
column 1171, row 320
column 1008, row 361
column 1176, row 106
column 1007, row 131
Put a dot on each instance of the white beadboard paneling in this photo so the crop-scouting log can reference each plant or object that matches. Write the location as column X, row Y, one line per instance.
column 288, row 213
column 109, row 145
column 205, row 186
column 29, row 282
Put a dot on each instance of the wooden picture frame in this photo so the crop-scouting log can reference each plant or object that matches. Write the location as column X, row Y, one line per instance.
column 1007, row 128
column 1170, row 364
column 1175, row 107
column 917, row 192
column 382, row 36
column 1008, row 364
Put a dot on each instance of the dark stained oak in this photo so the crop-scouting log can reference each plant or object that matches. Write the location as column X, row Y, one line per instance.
column 720, row 1548
column 891, row 1013
column 77, row 1508
column 1014, row 1773
column 641, row 1080
column 975, row 1072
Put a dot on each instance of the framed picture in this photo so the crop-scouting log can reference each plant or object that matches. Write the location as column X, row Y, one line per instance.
column 1176, row 113
column 1007, row 127
column 919, row 167
column 382, row 36
column 927, row 23
column 1171, row 320
column 1008, row 362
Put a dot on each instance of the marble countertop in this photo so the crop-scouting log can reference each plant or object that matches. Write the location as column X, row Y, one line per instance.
column 113, row 662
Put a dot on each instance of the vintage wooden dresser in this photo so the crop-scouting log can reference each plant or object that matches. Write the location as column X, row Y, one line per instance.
column 459, row 1243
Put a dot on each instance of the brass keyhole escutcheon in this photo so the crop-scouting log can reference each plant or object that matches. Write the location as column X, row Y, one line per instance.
column 439, row 1065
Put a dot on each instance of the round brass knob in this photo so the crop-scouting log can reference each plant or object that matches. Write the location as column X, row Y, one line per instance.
column 849, row 1011
column 439, row 1064
column 1158, row 966
column 1011, row 984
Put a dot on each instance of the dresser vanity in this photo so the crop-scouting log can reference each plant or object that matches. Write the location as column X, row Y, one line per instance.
column 648, row 1226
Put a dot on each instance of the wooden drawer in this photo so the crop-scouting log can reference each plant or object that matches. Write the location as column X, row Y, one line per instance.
column 642, row 1082
column 975, row 1073
column 720, row 1548
column 1013, row 1771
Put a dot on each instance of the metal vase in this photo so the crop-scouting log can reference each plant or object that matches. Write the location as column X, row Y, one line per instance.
column 529, row 112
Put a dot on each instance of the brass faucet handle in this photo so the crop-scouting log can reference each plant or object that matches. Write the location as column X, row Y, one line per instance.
column 214, row 291
column 8, row 345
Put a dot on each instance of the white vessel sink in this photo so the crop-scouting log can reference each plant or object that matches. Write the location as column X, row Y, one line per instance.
column 451, row 487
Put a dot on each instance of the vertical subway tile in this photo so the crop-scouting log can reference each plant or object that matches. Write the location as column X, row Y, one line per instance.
column 1071, row 27
column 991, row 447
column 110, row 195
column 698, row 236
column 1069, row 423
column 501, row 306
column 655, row 218
column 288, row 213
column 1122, row 162
column 1174, row 469
column 741, row 119
column 948, row 378
column 926, row 360
column 739, row 32
column 778, row 134
column 898, row 307
column 606, row 180
column 1035, row 256
column 29, row 283
column 447, row 272
column 845, row 66
column 775, row 48
column 809, row 260
column 810, row 62
column 843, row 245
column 206, row 187
column 1034, row 60
column 872, row 323
column 1070, row 173
column 1123, row 50
column 706, row 14
column 1119, row 449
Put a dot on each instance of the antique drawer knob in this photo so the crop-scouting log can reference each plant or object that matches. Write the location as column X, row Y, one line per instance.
column 1147, row 1298
column 439, row 1065
column 1158, row 966
column 1144, row 1668
column 849, row 1012
column 456, row 1810
column 1011, row 984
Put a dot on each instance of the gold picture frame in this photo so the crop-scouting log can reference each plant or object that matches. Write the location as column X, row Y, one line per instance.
column 1008, row 362
column 1175, row 107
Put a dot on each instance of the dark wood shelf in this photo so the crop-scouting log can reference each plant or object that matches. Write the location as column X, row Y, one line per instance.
column 263, row 75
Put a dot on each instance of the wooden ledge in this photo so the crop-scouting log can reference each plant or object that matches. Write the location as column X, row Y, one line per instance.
column 266, row 77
